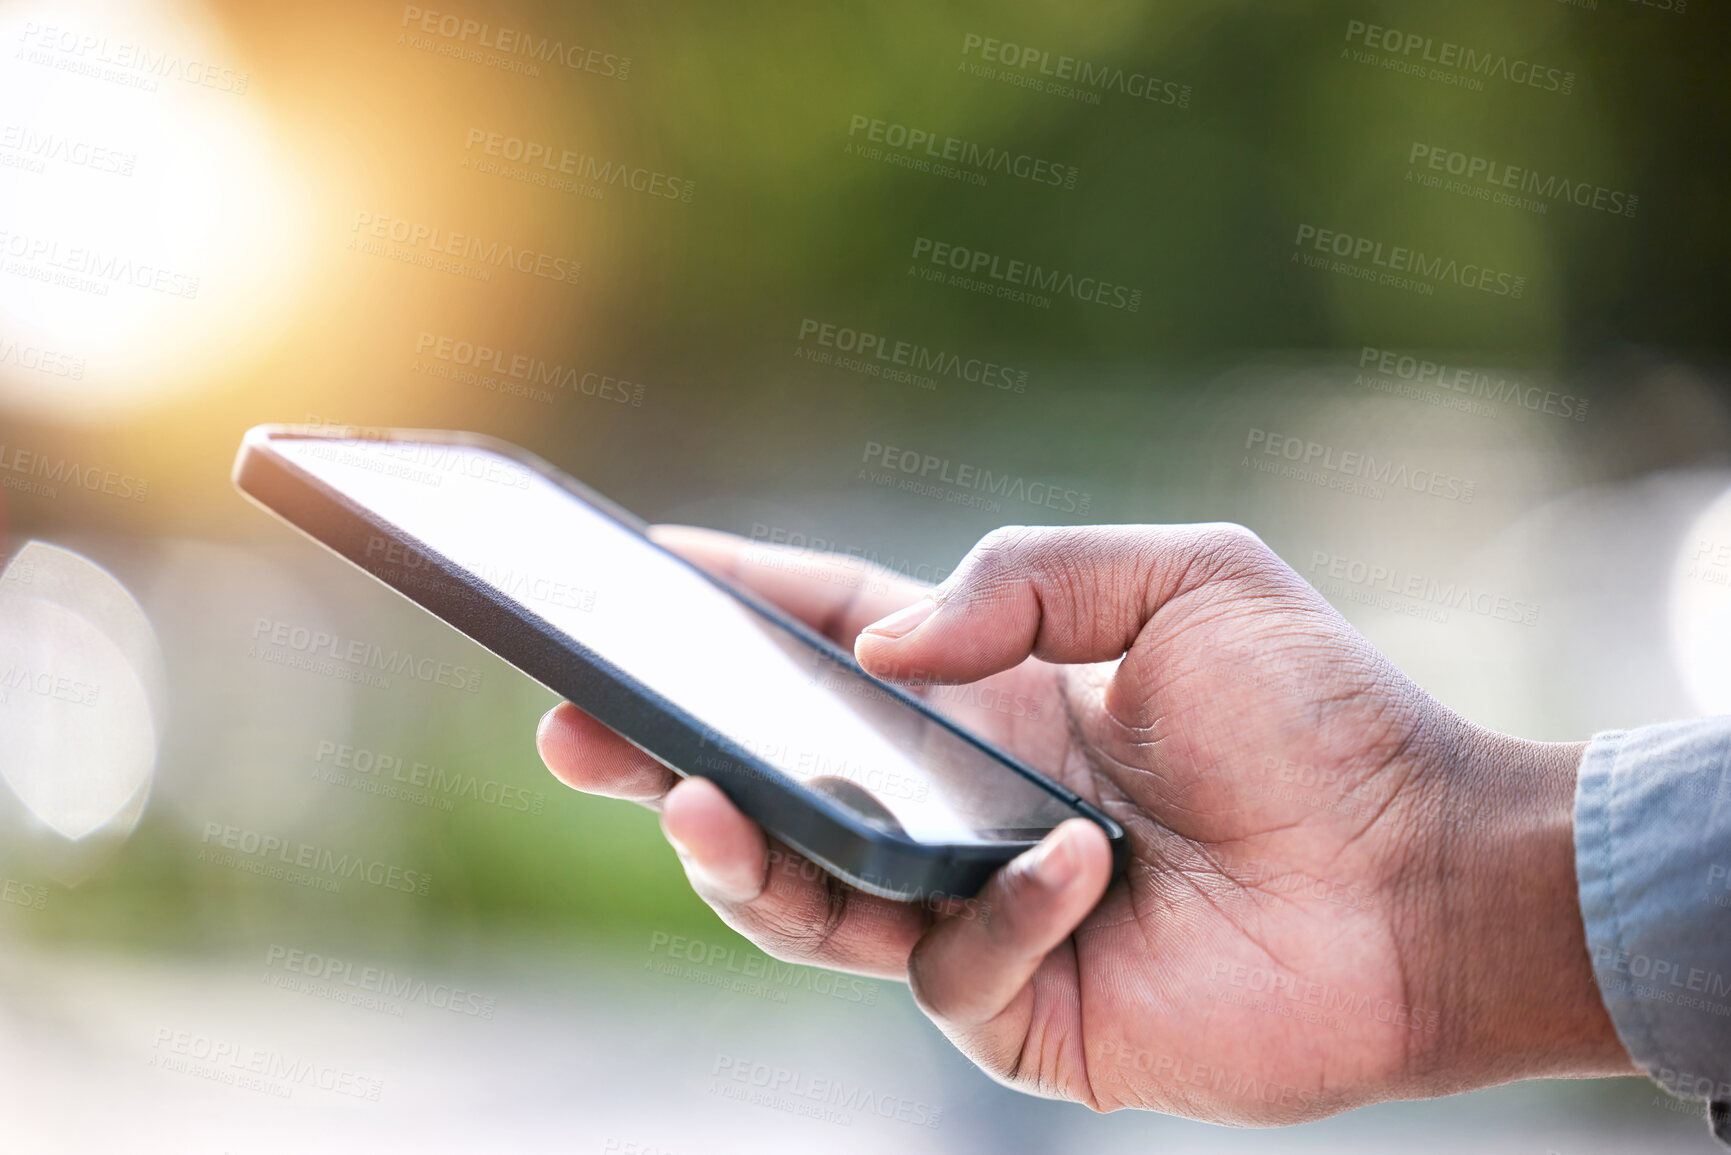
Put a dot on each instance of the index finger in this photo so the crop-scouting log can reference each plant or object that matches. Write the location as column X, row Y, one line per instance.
column 834, row 593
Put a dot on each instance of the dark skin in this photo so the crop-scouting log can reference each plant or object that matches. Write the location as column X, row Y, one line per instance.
column 1340, row 892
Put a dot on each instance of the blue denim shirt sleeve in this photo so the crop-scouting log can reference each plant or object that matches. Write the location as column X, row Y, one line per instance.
column 1653, row 859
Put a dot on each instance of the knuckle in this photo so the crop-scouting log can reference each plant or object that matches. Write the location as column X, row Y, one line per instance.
column 795, row 929
column 1229, row 535
column 783, row 948
column 1229, row 549
column 998, row 560
column 1002, row 548
column 768, row 930
column 925, row 989
column 1014, row 890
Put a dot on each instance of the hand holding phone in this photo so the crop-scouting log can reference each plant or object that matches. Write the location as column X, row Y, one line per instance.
column 1301, row 928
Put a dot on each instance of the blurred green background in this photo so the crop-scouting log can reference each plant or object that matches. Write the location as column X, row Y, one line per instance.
column 707, row 310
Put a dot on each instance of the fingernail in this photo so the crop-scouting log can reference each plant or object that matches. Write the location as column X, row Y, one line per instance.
column 703, row 879
column 903, row 621
column 694, row 870
column 1055, row 863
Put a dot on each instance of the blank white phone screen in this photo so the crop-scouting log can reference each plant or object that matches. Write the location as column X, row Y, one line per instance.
column 743, row 676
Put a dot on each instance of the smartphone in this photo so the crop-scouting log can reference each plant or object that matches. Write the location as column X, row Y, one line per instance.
column 859, row 776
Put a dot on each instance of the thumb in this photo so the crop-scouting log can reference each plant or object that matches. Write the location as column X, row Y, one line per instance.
column 1059, row 594
column 970, row 969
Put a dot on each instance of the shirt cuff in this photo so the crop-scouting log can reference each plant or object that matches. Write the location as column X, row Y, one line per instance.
column 1653, row 860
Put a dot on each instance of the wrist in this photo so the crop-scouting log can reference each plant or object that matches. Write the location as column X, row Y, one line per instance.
column 1512, row 976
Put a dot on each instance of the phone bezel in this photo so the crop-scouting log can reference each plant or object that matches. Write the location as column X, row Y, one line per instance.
column 879, row 861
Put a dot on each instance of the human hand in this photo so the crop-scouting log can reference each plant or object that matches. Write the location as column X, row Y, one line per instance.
column 1339, row 890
